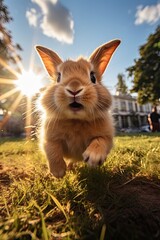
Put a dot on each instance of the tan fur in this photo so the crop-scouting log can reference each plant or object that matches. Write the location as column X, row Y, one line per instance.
column 70, row 132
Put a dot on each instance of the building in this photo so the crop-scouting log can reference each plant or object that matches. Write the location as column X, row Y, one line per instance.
column 128, row 113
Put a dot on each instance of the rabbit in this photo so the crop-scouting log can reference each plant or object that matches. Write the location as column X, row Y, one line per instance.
column 77, row 123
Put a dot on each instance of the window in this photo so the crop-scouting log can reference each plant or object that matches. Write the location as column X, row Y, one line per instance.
column 115, row 106
column 130, row 106
column 123, row 106
column 141, row 108
column 136, row 107
column 124, row 120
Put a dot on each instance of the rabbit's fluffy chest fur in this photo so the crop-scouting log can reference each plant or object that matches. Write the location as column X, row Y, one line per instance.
column 74, row 135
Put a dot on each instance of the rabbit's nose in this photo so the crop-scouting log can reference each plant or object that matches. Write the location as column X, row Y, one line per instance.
column 74, row 93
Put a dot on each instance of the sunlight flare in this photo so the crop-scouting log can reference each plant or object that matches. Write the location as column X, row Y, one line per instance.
column 16, row 58
column 7, row 81
column 28, row 83
column 10, row 69
column 25, row 83
column 9, row 93
column 11, row 110
column 28, row 126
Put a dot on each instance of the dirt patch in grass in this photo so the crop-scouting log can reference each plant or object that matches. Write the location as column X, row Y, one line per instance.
column 4, row 177
column 148, row 191
column 8, row 173
column 136, row 213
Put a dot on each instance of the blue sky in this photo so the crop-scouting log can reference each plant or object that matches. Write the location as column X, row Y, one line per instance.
column 73, row 28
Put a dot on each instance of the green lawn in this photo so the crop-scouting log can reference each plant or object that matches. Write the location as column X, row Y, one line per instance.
column 120, row 200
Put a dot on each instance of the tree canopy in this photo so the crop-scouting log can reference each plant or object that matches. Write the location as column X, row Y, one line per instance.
column 121, row 86
column 146, row 70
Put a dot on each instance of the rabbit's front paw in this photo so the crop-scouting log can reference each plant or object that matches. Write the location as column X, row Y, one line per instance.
column 93, row 157
column 58, row 169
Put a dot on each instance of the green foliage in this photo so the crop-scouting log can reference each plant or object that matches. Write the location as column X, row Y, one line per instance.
column 121, row 86
column 146, row 70
column 7, row 47
column 8, row 53
column 120, row 200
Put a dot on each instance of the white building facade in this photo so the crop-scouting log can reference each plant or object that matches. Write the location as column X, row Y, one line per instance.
column 128, row 113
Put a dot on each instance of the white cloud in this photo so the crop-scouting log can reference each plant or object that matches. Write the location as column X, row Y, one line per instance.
column 148, row 14
column 56, row 20
column 32, row 17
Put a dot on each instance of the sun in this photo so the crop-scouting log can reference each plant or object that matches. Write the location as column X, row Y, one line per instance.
column 28, row 83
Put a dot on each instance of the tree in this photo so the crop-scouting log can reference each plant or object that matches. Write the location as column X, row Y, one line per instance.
column 8, row 52
column 121, row 86
column 146, row 70
column 7, row 47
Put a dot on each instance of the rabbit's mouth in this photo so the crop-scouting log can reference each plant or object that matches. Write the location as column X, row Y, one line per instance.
column 75, row 106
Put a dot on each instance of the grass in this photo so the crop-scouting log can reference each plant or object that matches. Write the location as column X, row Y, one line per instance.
column 120, row 200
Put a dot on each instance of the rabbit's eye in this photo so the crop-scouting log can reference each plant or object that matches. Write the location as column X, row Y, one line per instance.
column 93, row 78
column 58, row 77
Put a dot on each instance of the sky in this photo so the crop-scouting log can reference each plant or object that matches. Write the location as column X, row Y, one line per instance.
column 75, row 28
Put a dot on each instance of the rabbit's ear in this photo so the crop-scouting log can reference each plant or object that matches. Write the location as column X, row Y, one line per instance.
column 49, row 58
column 102, row 55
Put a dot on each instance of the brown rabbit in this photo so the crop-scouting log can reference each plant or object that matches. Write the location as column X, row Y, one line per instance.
column 77, row 124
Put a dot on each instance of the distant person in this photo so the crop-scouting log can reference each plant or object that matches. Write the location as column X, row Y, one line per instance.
column 153, row 119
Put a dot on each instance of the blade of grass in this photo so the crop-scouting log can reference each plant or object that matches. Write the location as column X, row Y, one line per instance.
column 58, row 204
column 103, row 231
column 6, row 207
column 44, row 228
